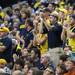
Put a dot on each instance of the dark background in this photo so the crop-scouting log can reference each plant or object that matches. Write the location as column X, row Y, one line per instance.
column 5, row 3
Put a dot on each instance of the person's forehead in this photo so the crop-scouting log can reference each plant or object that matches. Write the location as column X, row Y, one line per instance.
column 30, row 71
column 44, row 56
column 26, row 66
column 66, row 48
column 25, row 50
column 70, row 7
column 50, row 5
column 32, row 51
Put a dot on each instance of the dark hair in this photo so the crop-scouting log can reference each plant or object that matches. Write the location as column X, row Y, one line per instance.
column 20, row 62
column 29, row 22
column 63, row 68
column 28, row 14
column 46, row 10
column 36, row 71
column 63, row 57
column 17, row 9
column 29, row 65
column 9, row 12
column 37, row 51
column 53, row 5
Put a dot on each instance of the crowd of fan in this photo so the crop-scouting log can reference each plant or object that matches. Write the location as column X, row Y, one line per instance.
column 37, row 39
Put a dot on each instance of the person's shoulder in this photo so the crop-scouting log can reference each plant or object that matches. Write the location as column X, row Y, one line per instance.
column 8, row 39
column 66, row 74
column 58, row 24
column 71, row 72
column 73, row 69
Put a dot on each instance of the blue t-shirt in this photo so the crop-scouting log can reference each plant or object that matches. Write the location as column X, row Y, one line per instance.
column 28, row 36
column 54, row 36
column 7, row 53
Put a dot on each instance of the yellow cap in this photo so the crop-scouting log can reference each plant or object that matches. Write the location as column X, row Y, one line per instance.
column 4, row 29
column 61, row 3
column 3, row 61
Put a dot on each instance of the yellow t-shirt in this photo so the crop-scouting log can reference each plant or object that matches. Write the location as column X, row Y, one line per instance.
column 48, row 22
column 44, row 46
column 18, row 47
column 71, row 41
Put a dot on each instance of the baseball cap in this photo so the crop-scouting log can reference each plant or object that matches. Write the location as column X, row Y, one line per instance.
column 4, row 29
column 3, row 61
